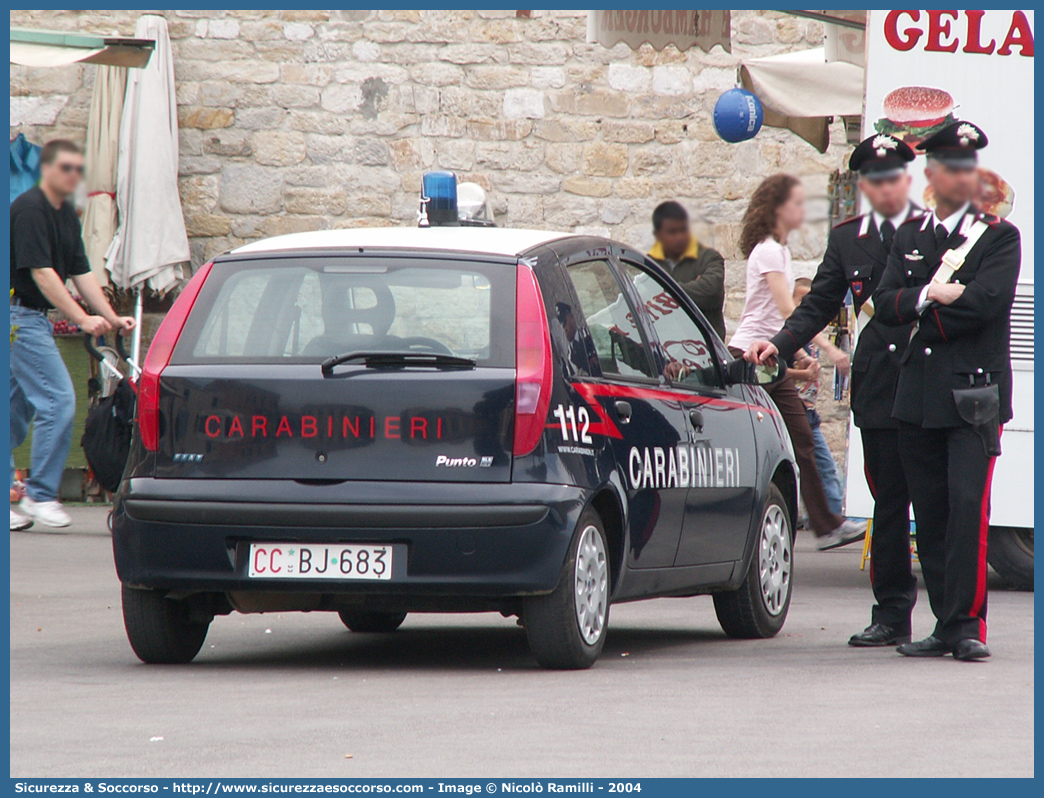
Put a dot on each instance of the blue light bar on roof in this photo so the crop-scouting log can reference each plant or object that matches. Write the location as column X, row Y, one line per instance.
column 439, row 200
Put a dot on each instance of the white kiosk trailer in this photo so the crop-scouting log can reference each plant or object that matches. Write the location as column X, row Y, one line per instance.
column 923, row 68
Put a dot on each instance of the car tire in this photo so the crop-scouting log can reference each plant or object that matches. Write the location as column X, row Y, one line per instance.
column 159, row 629
column 1010, row 553
column 372, row 621
column 566, row 628
column 759, row 607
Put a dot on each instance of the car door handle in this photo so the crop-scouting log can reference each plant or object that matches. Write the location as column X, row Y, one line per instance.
column 623, row 410
column 696, row 419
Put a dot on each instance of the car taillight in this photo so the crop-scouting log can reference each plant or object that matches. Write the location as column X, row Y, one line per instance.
column 159, row 356
column 532, row 362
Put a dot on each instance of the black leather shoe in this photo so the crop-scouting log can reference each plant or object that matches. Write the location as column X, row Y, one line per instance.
column 970, row 649
column 929, row 647
column 878, row 634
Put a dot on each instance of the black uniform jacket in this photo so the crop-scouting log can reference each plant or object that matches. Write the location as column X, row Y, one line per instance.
column 968, row 340
column 855, row 259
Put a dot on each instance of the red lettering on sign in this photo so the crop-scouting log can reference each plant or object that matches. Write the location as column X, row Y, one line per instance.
column 438, row 428
column 891, row 31
column 974, row 43
column 419, row 426
column 346, row 425
column 940, row 35
column 1020, row 35
column 259, row 424
column 284, row 425
column 391, row 427
column 373, row 422
column 237, row 427
column 258, row 567
column 271, row 557
column 309, row 426
column 206, row 426
column 938, row 28
column 329, row 427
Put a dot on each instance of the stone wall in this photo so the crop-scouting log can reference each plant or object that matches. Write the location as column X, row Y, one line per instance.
column 302, row 120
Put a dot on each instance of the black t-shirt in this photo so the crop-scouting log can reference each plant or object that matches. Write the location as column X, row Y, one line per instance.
column 43, row 237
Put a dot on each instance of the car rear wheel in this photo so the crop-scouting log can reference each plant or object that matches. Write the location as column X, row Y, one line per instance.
column 372, row 620
column 161, row 630
column 566, row 628
column 759, row 608
column 1010, row 553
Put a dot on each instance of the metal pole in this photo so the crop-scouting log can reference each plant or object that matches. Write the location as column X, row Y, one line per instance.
column 820, row 16
column 135, row 360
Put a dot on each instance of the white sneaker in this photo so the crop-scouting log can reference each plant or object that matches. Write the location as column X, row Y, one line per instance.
column 50, row 514
column 19, row 522
column 848, row 532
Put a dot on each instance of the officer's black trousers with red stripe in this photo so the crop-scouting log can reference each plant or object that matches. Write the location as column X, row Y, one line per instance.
column 891, row 574
column 949, row 475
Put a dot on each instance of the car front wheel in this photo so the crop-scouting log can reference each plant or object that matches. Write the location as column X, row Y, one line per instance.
column 1011, row 555
column 759, row 608
column 566, row 628
column 161, row 630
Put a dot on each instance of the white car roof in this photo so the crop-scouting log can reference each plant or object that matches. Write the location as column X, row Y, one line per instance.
column 484, row 240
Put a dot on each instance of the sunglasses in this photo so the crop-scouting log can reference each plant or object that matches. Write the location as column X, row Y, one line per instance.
column 69, row 168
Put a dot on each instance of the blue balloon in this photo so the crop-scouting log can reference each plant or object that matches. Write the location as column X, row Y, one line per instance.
column 738, row 115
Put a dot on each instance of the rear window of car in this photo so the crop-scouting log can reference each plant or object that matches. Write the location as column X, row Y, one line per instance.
column 306, row 309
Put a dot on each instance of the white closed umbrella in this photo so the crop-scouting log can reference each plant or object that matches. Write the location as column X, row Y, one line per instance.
column 103, row 143
column 151, row 244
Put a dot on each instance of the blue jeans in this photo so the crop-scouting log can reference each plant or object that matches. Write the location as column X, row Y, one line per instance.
column 41, row 394
column 827, row 467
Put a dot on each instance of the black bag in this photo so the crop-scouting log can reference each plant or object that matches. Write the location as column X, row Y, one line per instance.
column 980, row 407
column 107, row 435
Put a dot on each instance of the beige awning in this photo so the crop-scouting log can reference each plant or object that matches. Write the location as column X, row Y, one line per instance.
column 683, row 29
column 42, row 48
column 801, row 91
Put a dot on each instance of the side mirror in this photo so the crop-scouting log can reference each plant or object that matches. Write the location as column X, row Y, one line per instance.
column 740, row 372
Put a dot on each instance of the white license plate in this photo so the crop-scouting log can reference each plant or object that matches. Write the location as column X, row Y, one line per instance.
column 320, row 561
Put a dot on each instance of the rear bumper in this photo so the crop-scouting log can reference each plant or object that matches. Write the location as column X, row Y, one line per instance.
column 460, row 540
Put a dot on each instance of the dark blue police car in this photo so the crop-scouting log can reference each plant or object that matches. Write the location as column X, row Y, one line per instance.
column 378, row 422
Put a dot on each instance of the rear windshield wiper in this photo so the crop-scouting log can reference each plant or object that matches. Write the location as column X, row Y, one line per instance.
column 397, row 360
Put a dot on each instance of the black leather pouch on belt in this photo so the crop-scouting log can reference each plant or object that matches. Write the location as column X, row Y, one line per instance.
column 980, row 407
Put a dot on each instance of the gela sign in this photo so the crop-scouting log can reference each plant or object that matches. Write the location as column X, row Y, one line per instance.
column 940, row 31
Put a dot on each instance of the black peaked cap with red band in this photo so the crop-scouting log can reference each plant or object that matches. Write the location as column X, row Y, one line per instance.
column 956, row 145
column 880, row 157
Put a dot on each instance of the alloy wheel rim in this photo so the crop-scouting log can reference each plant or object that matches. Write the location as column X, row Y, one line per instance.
column 774, row 559
column 591, row 595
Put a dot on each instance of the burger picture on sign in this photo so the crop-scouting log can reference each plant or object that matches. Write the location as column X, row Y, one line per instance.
column 913, row 113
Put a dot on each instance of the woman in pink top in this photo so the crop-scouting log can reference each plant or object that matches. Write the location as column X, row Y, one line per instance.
column 776, row 209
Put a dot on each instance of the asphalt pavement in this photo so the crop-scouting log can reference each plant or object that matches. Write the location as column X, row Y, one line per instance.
column 459, row 695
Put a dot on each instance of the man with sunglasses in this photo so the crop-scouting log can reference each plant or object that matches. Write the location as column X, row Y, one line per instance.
column 47, row 250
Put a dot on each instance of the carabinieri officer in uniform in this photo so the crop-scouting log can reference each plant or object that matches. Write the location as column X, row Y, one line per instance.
column 953, row 273
column 855, row 260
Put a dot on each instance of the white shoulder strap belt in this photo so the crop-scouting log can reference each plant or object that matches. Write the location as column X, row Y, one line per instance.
column 952, row 261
